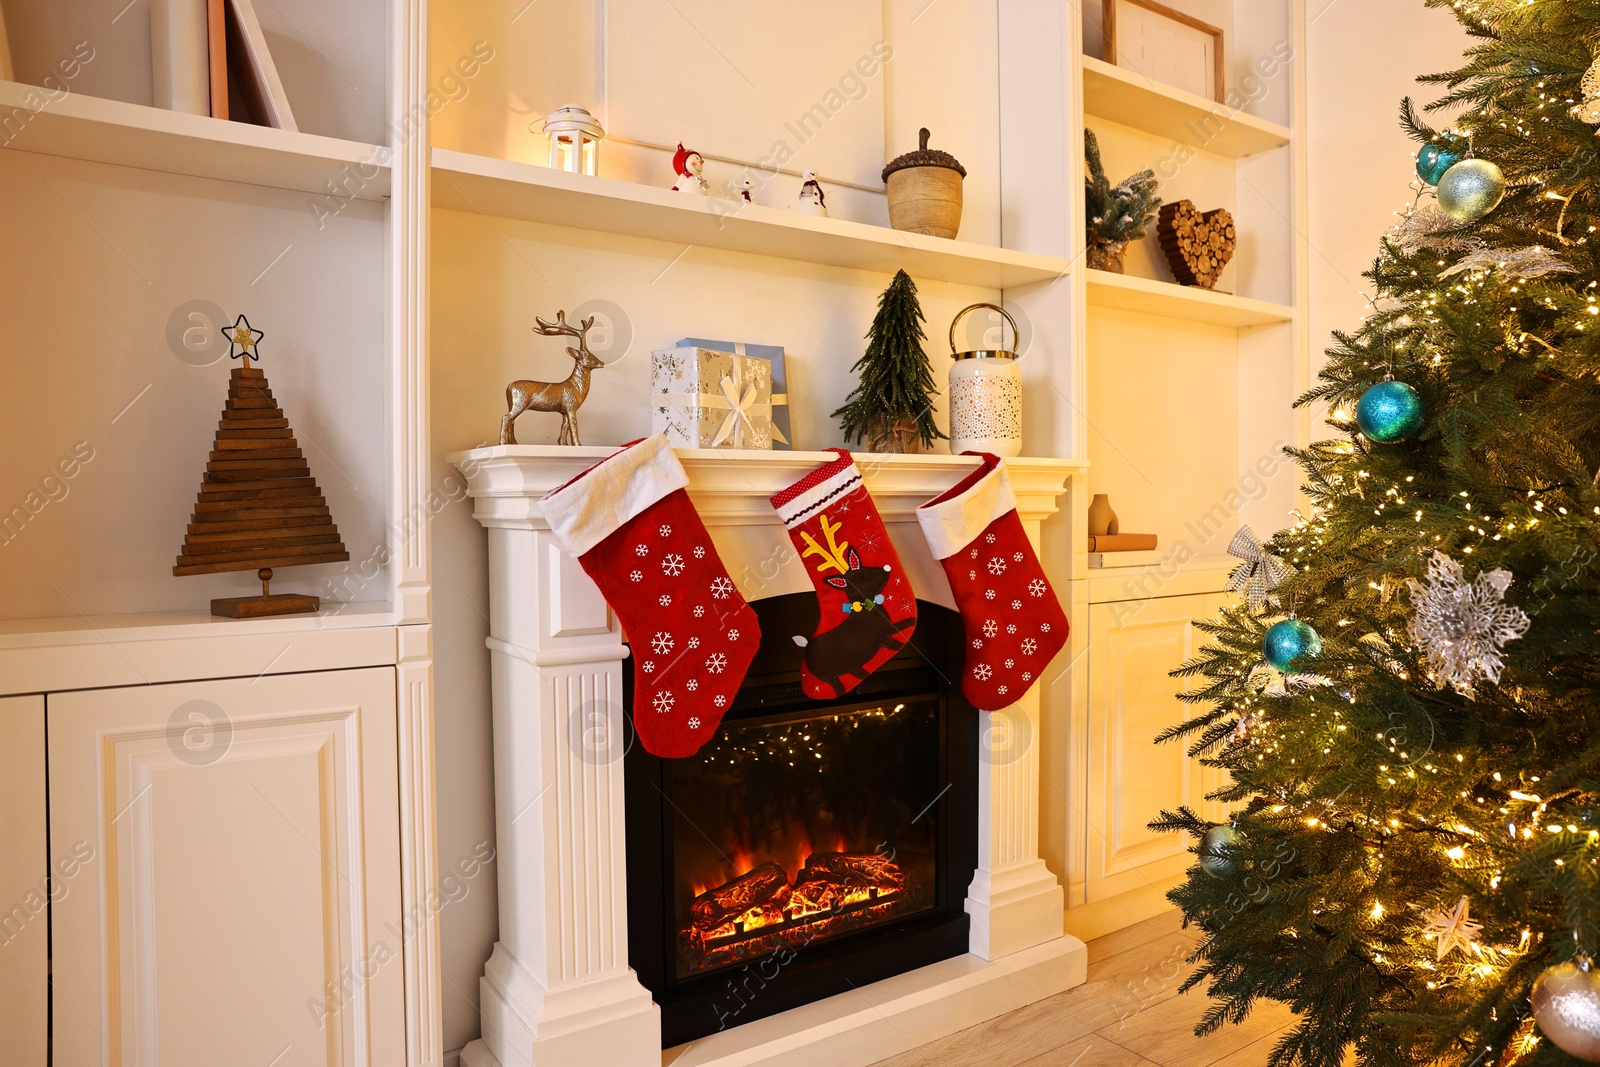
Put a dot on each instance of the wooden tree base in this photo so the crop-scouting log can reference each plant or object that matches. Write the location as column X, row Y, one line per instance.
column 253, row 607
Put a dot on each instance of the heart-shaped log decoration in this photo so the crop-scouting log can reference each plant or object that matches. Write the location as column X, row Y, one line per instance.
column 1197, row 246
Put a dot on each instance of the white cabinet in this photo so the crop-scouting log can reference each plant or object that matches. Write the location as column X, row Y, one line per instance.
column 26, row 886
column 1133, row 647
column 243, row 905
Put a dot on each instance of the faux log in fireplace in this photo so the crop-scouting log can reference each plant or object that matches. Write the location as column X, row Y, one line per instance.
column 810, row 847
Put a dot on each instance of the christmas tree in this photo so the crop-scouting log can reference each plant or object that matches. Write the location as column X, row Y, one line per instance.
column 1120, row 212
column 1410, row 859
column 893, row 402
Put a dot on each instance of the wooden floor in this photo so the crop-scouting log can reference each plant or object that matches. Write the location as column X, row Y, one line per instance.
column 1128, row 1014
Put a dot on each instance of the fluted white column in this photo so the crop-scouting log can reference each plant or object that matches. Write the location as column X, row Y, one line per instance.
column 1015, row 901
column 558, row 990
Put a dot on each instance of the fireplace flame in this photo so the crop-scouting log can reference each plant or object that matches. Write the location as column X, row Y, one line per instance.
column 763, row 900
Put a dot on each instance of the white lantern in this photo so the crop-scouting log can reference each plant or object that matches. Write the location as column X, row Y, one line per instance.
column 575, row 139
column 985, row 395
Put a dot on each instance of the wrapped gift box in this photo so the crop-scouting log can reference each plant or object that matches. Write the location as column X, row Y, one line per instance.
column 781, row 437
column 704, row 398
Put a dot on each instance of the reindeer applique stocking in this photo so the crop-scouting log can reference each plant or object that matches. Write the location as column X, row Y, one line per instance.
column 629, row 521
column 868, row 610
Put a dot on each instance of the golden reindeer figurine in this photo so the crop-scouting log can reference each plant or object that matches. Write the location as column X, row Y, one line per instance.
column 565, row 397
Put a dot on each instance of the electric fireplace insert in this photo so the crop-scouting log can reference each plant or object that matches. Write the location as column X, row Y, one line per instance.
column 810, row 847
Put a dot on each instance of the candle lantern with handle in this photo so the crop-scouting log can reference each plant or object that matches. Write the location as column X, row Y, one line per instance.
column 575, row 139
column 986, row 394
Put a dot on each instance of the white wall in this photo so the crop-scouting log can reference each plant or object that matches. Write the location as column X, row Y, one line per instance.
column 1364, row 57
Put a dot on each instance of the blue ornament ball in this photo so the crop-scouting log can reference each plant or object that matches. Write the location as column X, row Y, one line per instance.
column 1389, row 412
column 1217, row 850
column 1434, row 159
column 1290, row 642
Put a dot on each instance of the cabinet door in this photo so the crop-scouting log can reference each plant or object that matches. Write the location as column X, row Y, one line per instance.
column 26, row 887
column 1132, row 648
column 246, row 900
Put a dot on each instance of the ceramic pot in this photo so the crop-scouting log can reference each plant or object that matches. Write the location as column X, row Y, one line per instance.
column 1102, row 520
column 894, row 436
column 1107, row 255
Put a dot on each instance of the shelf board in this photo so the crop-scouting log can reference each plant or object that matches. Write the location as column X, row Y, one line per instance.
column 171, row 142
column 1131, row 99
column 479, row 184
column 1107, row 290
column 78, row 652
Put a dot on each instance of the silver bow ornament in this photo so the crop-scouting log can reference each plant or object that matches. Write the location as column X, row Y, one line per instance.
column 1260, row 573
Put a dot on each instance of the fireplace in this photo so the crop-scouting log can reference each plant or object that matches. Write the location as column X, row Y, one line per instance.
column 809, row 847
column 563, row 986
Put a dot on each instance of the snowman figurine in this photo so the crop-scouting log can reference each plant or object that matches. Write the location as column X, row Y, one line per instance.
column 812, row 202
column 689, row 166
column 745, row 188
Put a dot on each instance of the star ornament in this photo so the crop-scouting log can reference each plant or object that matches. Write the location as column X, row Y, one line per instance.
column 1451, row 930
column 242, row 340
column 1462, row 626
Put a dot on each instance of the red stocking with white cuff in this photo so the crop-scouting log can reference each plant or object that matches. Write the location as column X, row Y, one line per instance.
column 629, row 522
column 1014, row 624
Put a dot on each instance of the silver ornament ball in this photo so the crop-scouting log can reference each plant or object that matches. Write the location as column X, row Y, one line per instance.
column 1566, row 1005
column 1471, row 189
column 1216, row 850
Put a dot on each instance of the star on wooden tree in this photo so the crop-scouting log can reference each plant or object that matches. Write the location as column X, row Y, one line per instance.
column 1454, row 929
column 245, row 339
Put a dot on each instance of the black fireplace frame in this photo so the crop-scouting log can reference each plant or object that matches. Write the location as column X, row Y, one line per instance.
column 704, row 1004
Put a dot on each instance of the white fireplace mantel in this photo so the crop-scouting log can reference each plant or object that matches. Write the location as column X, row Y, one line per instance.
column 558, row 991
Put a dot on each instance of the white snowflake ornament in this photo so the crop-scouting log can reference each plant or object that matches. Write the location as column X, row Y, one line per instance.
column 1461, row 626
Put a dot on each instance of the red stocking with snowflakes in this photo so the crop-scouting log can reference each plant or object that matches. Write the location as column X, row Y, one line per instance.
column 868, row 611
column 629, row 522
column 1014, row 624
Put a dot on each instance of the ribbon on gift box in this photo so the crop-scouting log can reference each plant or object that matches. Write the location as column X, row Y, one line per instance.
column 772, row 353
column 738, row 397
column 739, row 405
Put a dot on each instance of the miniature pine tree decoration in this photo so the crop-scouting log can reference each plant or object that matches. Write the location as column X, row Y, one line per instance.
column 1409, row 855
column 893, row 402
column 1116, row 214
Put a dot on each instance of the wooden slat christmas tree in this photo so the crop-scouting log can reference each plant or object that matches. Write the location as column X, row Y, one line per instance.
column 259, row 507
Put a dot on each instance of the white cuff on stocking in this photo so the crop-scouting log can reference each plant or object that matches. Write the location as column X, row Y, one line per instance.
column 951, row 521
column 596, row 503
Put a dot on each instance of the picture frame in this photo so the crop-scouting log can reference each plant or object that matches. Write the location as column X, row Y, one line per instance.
column 1166, row 45
column 6, row 71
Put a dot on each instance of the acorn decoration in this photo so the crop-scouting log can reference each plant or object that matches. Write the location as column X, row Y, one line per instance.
column 925, row 190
